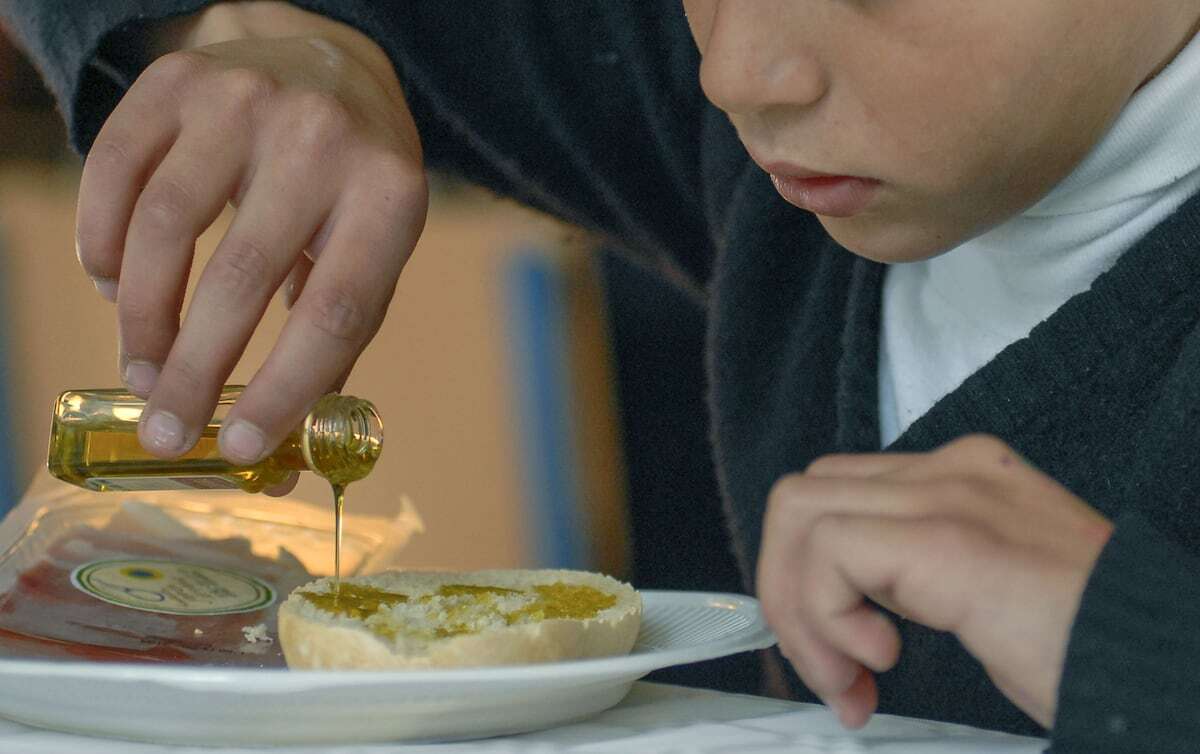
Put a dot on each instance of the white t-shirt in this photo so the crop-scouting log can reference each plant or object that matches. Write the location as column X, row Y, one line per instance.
column 945, row 317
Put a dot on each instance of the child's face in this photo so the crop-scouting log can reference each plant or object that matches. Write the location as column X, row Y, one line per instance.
column 965, row 112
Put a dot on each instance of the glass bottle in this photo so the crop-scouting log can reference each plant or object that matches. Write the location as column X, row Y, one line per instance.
column 94, row 444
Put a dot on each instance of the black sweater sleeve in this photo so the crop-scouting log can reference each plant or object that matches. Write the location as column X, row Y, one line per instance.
column 1130, row 683
column 590, row 109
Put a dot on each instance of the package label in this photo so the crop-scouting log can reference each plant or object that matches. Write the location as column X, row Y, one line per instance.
column 167, row 586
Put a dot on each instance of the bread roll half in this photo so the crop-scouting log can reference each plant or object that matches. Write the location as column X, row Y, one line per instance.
column 422, row 619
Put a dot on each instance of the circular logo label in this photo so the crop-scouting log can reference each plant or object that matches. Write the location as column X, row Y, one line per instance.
column 167, row 586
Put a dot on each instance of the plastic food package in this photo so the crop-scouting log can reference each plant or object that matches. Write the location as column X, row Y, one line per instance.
column 191, row 577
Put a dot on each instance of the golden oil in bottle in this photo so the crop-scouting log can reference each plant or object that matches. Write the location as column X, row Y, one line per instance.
column 94, row 444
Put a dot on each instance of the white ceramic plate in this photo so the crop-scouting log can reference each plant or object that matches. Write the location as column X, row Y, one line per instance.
column 188, row 704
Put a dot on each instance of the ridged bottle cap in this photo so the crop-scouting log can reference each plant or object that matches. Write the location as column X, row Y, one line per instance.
column 342, row 438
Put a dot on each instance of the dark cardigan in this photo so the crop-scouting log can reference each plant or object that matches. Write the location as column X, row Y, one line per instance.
column 591, row 110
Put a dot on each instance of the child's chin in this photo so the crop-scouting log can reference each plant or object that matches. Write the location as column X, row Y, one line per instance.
column 888, row 242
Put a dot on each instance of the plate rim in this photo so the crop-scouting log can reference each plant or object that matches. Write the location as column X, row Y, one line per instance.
column 282, row 680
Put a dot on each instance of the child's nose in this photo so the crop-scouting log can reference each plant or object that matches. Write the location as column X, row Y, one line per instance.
column 750, row 62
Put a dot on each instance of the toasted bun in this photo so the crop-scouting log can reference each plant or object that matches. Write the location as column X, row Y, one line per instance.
column 439, row 627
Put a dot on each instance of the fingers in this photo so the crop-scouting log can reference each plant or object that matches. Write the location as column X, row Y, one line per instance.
column 969, row 539
column 128, row 147
column 923, row 567
column 339, row 311
column 855, row 706
column 827, row 672
column 968, row 452
column 976, row 476
column 798, row 500
column 833, row 603
column 276, row 218
column 814, row 593
column 831, row 636
column 184, row 195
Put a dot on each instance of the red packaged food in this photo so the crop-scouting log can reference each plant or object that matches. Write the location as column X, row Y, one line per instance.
column 166, row 577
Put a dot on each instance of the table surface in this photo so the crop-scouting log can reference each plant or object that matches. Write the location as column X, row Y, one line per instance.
column 653, row 718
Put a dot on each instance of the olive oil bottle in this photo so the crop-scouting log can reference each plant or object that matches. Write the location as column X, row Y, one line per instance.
column 94, row 444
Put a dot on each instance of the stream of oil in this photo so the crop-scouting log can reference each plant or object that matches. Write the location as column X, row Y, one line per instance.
column 339, row 501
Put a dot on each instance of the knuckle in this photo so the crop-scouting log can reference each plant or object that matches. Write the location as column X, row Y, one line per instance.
column 165, row 205
column 827, row 464
column 395, row 178
column 976, row 446
column 338, row 312
column 241, row 267
column 175, row 68
column 401, row 201
column 786, row 489
column 957, row 541
column 317, row 123
column 242, row 89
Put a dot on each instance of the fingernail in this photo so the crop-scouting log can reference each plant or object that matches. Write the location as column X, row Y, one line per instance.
column 140, row 377
column 243, row 442
column 107, row 288
column 164, row 431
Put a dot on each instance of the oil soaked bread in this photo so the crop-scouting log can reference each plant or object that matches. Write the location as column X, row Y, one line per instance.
column 437, row 619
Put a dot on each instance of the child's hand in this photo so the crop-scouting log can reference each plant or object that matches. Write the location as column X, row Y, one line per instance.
column 310, row 138
column 968, row 539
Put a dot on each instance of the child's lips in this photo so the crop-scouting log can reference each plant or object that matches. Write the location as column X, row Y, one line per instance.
column 829, row 195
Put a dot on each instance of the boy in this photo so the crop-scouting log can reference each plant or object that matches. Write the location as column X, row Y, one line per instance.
column 1000, row 237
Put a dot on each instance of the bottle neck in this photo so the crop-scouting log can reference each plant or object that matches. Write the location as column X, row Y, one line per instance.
column 341, row 438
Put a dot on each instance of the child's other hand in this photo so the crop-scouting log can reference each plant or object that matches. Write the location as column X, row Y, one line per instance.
column 968, row 539
column 310, row 138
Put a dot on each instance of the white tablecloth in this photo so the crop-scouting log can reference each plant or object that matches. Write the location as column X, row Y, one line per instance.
column 653, row 718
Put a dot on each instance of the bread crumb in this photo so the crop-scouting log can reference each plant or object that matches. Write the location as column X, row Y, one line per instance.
column 255, row 634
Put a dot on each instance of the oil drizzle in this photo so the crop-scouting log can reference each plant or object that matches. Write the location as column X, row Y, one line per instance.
column 471, row 590
column 357, row 601
column 339, row 501
column 558, row 600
